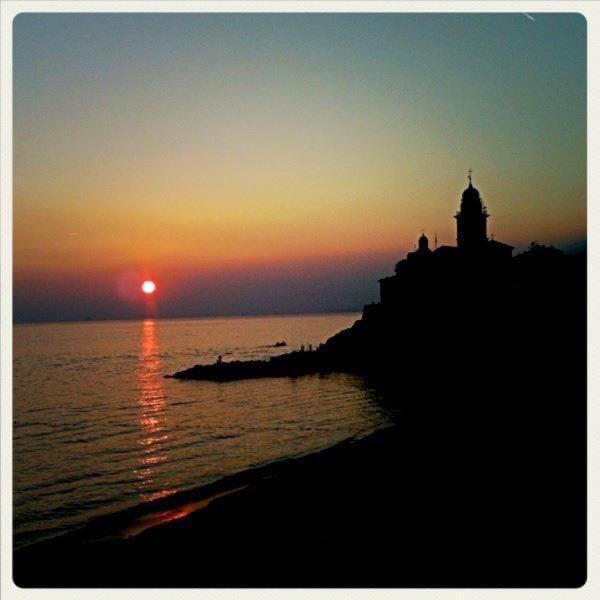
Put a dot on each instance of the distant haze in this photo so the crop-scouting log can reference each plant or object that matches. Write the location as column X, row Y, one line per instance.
column 254, row 164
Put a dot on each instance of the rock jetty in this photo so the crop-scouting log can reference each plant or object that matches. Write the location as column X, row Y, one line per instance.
column 292, row 364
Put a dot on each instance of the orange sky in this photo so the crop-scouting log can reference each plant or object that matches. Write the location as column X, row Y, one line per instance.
column 188, row 146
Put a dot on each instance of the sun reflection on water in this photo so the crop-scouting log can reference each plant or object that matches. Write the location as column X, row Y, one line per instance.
column 153, row 418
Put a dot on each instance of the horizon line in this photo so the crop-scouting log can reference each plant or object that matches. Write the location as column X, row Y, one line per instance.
column 196, row 317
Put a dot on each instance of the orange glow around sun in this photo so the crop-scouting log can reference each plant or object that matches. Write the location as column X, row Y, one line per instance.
column 148, row 287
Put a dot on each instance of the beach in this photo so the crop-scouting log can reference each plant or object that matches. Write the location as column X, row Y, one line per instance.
column 430, row 501
column 98, row 429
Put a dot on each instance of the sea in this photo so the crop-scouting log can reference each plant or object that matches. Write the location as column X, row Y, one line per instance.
column 99, row 429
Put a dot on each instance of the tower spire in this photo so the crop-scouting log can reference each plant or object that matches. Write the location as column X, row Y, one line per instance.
column 471, row 220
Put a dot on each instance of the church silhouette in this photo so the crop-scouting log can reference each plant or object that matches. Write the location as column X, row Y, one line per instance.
column 475, row 258
column 468, row 294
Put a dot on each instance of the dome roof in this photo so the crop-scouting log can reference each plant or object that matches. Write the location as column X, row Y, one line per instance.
column 471, row 196
column 470, row 191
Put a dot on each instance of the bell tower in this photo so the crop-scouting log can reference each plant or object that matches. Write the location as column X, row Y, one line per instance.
column 471, row 219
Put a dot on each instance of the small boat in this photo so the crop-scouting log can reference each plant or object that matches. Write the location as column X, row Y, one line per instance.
column 280, row 344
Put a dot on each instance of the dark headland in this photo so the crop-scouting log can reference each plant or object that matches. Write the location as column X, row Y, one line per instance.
column 435, row 302
column 480, row 358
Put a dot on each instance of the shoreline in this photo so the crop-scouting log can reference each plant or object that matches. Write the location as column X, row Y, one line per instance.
column 128, row 522
column 430, row 501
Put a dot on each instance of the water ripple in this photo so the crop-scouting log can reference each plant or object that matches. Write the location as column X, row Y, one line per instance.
column 97, row 428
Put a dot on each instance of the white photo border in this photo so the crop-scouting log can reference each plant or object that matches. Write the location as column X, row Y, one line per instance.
column 589, row 9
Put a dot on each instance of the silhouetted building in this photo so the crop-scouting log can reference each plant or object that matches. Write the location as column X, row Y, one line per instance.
column 475, row 263
column 471, row 220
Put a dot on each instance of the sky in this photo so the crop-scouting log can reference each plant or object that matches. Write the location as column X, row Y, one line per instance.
column 269, row 164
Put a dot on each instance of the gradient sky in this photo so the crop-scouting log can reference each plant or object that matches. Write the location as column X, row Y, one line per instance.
column 280, row 163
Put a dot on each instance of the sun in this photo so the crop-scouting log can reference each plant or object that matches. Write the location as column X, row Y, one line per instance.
column 148, row 287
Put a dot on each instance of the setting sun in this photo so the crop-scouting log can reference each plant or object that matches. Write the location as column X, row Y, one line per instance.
column 148, row 287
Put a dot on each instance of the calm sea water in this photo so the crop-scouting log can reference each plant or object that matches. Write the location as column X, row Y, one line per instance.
column 97, row 428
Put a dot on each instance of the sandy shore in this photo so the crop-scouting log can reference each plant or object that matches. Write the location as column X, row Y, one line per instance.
column 431, row 501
